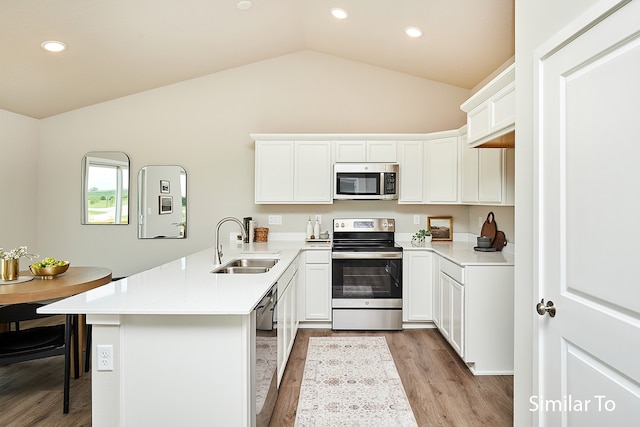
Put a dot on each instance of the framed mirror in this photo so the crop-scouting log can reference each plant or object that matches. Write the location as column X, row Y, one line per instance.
column 105, row 188
column 162, row 202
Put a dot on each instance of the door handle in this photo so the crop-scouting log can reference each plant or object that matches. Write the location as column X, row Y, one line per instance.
column 543, row 309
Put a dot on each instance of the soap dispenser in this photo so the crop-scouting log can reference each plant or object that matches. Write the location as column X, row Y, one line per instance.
column 316, row 230
column 309, row 229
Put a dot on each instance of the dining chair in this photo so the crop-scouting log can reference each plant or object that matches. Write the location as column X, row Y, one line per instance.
column 38, row 342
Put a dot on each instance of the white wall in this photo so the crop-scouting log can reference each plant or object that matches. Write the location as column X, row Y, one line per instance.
column 536, row 21
column 204, row 126
column 19, row 197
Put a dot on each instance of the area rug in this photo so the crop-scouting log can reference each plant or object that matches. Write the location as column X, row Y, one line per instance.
column 351, row 381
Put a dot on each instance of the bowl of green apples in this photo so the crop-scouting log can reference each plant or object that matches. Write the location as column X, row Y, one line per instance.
column 49, row 268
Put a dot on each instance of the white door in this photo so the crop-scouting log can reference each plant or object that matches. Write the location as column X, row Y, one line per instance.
column 588, row 199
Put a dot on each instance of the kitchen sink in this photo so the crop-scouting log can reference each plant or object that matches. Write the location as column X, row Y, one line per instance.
column 246, row 266
column 253, row 262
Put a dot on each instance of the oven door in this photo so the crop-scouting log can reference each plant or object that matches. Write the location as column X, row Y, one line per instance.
column 366, row 276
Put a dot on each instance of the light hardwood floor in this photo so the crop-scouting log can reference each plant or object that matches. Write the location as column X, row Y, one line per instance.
column 440, row 388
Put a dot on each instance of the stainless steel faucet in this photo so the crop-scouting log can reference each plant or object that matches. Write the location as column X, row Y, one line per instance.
column 217, row 242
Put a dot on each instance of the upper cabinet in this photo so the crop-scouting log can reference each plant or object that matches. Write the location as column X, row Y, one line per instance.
column 429, row 169
column 365, row 151
column 491, row 112
column 486, row 175
column 293, row 172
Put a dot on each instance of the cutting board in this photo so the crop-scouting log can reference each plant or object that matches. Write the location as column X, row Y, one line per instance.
column 489, row 228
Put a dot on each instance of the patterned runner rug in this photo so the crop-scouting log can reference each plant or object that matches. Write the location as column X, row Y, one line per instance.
column 351, row 381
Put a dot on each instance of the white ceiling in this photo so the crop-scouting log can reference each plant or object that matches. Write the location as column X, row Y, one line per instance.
column 120, row 47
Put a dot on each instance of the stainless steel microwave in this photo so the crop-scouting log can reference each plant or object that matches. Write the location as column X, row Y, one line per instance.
column 365, row 181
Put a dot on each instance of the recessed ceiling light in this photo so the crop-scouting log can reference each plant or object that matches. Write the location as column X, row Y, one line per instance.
column 53, row 46
column 413, row 32
column 339, row 13
column 244, row 4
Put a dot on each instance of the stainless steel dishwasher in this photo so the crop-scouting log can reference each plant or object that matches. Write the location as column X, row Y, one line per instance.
column 266, row 377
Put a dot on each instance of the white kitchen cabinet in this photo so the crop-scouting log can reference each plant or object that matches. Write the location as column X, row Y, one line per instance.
column 487, row 175
column 417, row 286
column 467, row 301
column 315, row 298
column 365, row 151
column 436, row 299
column 286, row 316
column 491, row 110
column 293, row 172
column 411, row 163
column 442, row 170
column 429, row 169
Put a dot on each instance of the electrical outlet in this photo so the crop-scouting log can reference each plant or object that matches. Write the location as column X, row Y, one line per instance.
column 105, row 357
column 319, row 219
column 275, row 219
column 416, row 219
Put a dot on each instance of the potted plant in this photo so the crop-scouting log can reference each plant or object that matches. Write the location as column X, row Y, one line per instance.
column 10, row 262
column 421, row 238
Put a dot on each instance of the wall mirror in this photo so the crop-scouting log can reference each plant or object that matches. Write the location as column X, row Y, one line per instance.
column 105, row 188
column 162, row 202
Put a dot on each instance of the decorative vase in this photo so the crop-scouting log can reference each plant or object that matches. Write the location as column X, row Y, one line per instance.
column 10, row 269
column 417, row 241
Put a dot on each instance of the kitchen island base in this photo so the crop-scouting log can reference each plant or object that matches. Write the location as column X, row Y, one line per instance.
column 174, row 370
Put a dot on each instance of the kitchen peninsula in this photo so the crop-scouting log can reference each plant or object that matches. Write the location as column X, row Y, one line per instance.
column 181, row 341
column 182, row 338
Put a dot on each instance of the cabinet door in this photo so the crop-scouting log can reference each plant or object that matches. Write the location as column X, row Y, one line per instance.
column 509, row 176
column 442, row 170
column 417, row 286
column 456, row 335
column 381, row 152
column 274, row 171
column 317, row 298
column 469, row 173
column 350, row 151
column 411, row 171
column 437, row 301
column 479, row 122
column 292, row 321
column 445, row 305
column 312, row 177
column 503, row 108
column 490, row 175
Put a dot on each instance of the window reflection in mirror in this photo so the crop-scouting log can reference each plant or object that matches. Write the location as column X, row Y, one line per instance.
column 105, row 188
column 162, row 202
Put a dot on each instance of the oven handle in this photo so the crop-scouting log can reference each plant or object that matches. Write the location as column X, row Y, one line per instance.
column 366, row 255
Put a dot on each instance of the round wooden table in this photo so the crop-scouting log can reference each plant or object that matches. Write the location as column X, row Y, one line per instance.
column 74, row 281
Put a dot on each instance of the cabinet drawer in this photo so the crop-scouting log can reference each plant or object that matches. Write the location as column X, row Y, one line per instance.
column 317, row 257
column 452, row 270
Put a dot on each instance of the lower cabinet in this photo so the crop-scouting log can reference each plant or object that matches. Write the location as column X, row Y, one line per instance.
column 417, row 285
column 452, row 312
column 315, row 297
column 286, row 315
column 473, row 312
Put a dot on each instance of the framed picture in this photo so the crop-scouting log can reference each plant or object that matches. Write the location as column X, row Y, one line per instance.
column 164, row 186
column 441, row 227
column 165, row 204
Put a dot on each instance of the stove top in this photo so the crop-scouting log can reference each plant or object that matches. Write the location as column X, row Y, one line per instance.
column 364, row 235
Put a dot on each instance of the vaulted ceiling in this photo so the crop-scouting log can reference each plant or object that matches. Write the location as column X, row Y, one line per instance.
column 120, row 47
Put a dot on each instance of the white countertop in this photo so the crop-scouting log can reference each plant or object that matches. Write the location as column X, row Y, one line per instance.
column 187, row 286
column 462, row 253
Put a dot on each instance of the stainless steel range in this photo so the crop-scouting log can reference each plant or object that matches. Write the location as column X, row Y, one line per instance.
column 366, row 275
